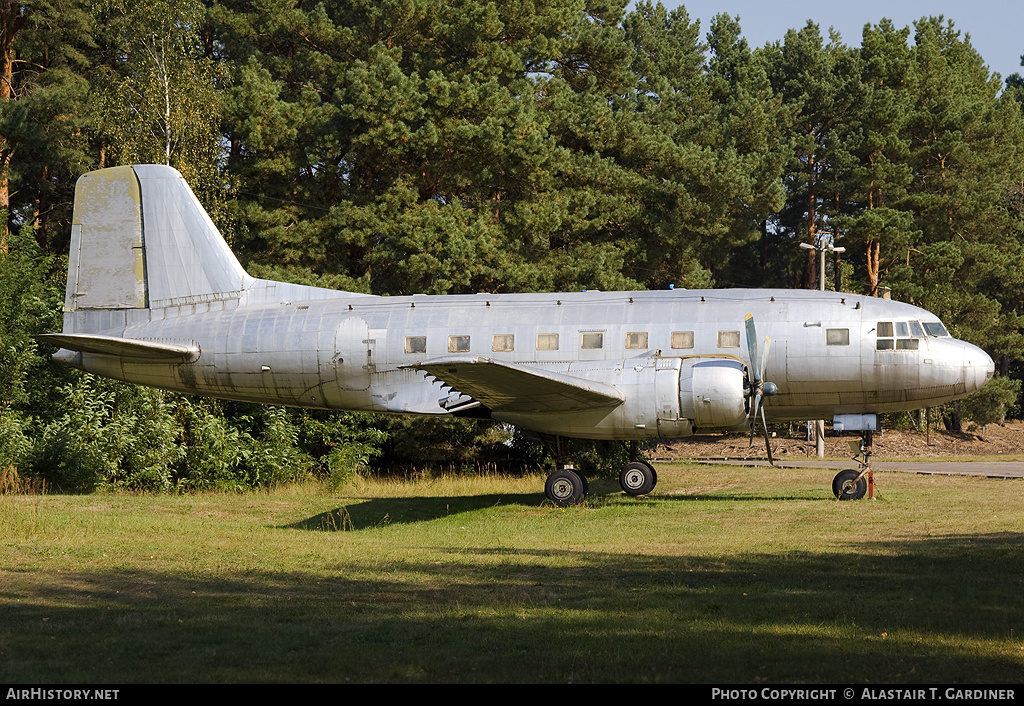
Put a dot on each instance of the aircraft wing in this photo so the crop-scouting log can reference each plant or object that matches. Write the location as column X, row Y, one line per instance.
column 510, row 387
column 122, row 347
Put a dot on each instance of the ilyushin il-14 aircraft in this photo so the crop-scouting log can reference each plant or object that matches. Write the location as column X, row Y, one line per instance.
column 156, row 297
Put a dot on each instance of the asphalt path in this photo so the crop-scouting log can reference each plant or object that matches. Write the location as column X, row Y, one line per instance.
column 988, row 469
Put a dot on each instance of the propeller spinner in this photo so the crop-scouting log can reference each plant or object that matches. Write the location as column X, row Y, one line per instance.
column 759, row 388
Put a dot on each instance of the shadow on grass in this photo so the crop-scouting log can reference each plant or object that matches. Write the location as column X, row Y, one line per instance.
column 380, row 512
column 893, row 611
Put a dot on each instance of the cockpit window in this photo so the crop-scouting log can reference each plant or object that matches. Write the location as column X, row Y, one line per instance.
column 898, row 335
column 935, row 328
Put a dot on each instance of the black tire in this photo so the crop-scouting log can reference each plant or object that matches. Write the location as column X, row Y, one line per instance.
column 637, row 478
column 565, row 487
column 586, row 483
column 654, row 474
column 847, row 486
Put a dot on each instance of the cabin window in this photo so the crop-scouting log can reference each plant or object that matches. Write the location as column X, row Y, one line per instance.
column 916, row 329
column 502, row 342
column 935, row 328
column 415, row 344
column 636, row 339
column 728, row 339
column 906, row 344
column 682, row 339
column 902, row 329
column 458, row 344
column 592, row 341
column 547, row 341
column 837, row 336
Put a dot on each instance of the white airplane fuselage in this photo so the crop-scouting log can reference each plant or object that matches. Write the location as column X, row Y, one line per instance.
column 155, row 297
column 354, row 354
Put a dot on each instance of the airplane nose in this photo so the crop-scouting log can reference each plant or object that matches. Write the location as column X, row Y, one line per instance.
column 978, row 367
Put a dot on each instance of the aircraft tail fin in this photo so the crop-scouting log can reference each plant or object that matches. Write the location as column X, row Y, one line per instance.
column 141, row 240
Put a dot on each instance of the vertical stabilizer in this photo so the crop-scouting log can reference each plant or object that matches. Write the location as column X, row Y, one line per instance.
column 141, row 240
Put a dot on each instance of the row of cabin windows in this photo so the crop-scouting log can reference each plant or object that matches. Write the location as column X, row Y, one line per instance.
column 590, row 340
column 635, row 340
column 899, row 335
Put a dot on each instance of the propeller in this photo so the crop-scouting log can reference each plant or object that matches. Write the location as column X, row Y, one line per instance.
column 759, row 388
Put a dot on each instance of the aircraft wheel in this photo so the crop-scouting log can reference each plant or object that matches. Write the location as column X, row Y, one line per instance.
column 565, row 487
column 847, row 486
column 638, row 478
column 654, row 474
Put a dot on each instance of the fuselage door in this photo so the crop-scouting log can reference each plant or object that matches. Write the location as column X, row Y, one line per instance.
column 352, row 362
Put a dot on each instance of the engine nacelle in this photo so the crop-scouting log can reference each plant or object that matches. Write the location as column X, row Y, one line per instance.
column 711, row 392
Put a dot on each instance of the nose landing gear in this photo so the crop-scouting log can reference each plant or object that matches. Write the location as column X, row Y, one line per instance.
column 852, row 484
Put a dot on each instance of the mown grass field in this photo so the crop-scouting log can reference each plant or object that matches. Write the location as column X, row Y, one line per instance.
column 724, row 575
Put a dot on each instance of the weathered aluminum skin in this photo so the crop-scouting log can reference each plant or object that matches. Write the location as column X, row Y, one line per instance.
column 149, row 268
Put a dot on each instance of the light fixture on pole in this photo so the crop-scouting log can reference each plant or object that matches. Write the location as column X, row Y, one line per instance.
column 819, row 424
column 822, row 249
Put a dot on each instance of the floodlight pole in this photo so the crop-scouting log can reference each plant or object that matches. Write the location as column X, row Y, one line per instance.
column 819, row 424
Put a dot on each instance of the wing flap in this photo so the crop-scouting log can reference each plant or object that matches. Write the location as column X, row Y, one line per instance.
column 510, row 387
column 122, row 347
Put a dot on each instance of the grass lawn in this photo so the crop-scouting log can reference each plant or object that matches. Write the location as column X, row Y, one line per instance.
column 724, row 575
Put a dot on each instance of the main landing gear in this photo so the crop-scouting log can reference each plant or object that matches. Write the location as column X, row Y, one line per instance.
column 852, row 484
column 566, row 486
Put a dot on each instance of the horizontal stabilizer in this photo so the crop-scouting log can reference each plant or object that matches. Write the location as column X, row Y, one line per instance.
column 509, row 387
column 122, row 347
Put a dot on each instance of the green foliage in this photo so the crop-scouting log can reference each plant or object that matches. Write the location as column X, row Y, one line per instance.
column 27, row 306
column 109, row 434
column 213, row 456
column 344, row 443
column 989, row 404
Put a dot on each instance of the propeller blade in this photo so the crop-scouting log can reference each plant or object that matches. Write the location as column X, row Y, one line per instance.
column 758, row 387
column 755, row 362
column 753, row 417
column 764, row 360
column 767, row 439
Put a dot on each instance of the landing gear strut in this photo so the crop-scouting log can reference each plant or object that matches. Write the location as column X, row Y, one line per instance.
column 851, row 484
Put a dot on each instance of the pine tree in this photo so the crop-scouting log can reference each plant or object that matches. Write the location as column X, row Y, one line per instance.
column 965, row 147
column 878, row 141
column 820, row 85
